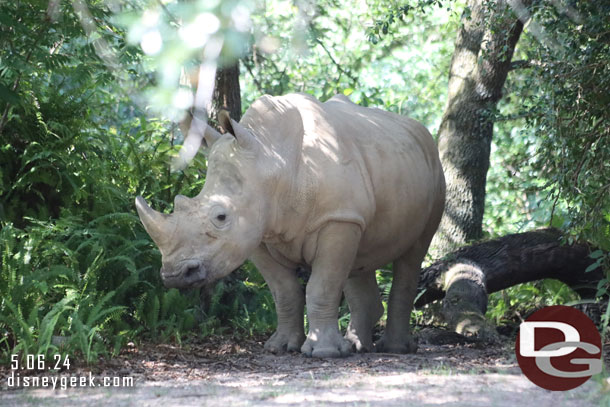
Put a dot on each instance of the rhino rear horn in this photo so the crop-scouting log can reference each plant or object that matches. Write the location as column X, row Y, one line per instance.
column 155, row 223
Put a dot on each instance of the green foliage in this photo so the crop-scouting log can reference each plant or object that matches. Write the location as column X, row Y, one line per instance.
column 398, row 14
column 552, row 147
column 244, row 301
column 575, row 154
column 323, row 50
column 68, row 279
column 507, row 306
column 165, row 314
column 180, row 36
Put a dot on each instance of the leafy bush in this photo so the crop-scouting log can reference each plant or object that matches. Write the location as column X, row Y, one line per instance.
column 510, row 305
column 72, row 285
column 68, row 279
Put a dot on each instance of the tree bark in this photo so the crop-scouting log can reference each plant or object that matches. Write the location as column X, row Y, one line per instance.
column 465, row 278
column 227, row 94
column 484, row 48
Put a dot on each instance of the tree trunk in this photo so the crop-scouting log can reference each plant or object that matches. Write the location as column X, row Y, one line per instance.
column 227, row 93
column 465, row 278
column 483, row 50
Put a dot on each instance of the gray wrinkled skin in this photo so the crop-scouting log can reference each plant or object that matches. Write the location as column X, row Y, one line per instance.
column 335, row 186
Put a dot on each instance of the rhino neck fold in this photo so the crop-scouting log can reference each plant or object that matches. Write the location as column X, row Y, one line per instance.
column 278, row 124
column 290, row 205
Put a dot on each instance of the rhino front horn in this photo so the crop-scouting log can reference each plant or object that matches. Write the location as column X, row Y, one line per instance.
column 155, row 223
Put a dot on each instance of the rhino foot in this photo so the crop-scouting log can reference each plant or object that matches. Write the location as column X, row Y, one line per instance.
column 281, row 342
column 408, row 345
column 326, row 345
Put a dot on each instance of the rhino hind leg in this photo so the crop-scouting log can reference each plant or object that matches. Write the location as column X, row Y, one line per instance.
column 397, row 337
column 289, row 301
column 362, row 294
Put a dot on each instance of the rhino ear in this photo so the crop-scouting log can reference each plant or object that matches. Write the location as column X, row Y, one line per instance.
column 182, row 203
column 244, row 137
column 224, row 119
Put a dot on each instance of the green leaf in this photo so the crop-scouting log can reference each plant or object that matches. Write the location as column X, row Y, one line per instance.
column 8, row 95
column 8, row 21
column 596, row 254
column 592, row 267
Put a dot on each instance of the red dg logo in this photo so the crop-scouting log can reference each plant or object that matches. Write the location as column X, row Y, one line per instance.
column 559, row 348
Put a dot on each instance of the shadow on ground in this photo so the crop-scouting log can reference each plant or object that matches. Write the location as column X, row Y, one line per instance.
column 228, row 372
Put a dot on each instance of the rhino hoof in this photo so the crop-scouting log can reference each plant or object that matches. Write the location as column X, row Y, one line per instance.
column 339, row 349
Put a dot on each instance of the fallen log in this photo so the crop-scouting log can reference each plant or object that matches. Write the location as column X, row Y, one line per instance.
column 464, row 278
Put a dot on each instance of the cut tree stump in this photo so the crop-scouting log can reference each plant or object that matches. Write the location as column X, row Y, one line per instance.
column 464, row 278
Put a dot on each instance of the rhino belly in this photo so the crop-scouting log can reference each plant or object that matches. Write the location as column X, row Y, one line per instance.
column 404, row 205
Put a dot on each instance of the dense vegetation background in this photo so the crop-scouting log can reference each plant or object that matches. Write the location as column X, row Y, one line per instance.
column 92, row 93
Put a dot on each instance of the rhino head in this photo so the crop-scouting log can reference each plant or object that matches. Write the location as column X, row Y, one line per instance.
column 212, row 234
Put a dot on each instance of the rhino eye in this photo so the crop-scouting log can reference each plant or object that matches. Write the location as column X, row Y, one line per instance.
column 218, row 216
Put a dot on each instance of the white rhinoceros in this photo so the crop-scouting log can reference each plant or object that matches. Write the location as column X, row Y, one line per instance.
column 336, row 187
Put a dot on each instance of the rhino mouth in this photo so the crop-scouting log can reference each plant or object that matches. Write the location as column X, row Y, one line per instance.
column 191, row 273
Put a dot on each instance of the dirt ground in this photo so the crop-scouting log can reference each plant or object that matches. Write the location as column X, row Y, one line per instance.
column 230, row 372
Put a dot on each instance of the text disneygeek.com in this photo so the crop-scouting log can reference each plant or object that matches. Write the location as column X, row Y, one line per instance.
column 15, row 380
column 56, row 363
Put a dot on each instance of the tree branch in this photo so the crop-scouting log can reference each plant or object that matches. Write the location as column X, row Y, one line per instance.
column 523, row 64
column 339, row 67
column 514, row 259
column 257, row 83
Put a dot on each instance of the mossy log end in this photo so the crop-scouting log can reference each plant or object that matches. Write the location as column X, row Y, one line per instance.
column 465, row 277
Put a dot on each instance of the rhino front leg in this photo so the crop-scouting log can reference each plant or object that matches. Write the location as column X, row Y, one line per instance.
column 362, row 294
column 289, row 302
column 336, row 250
